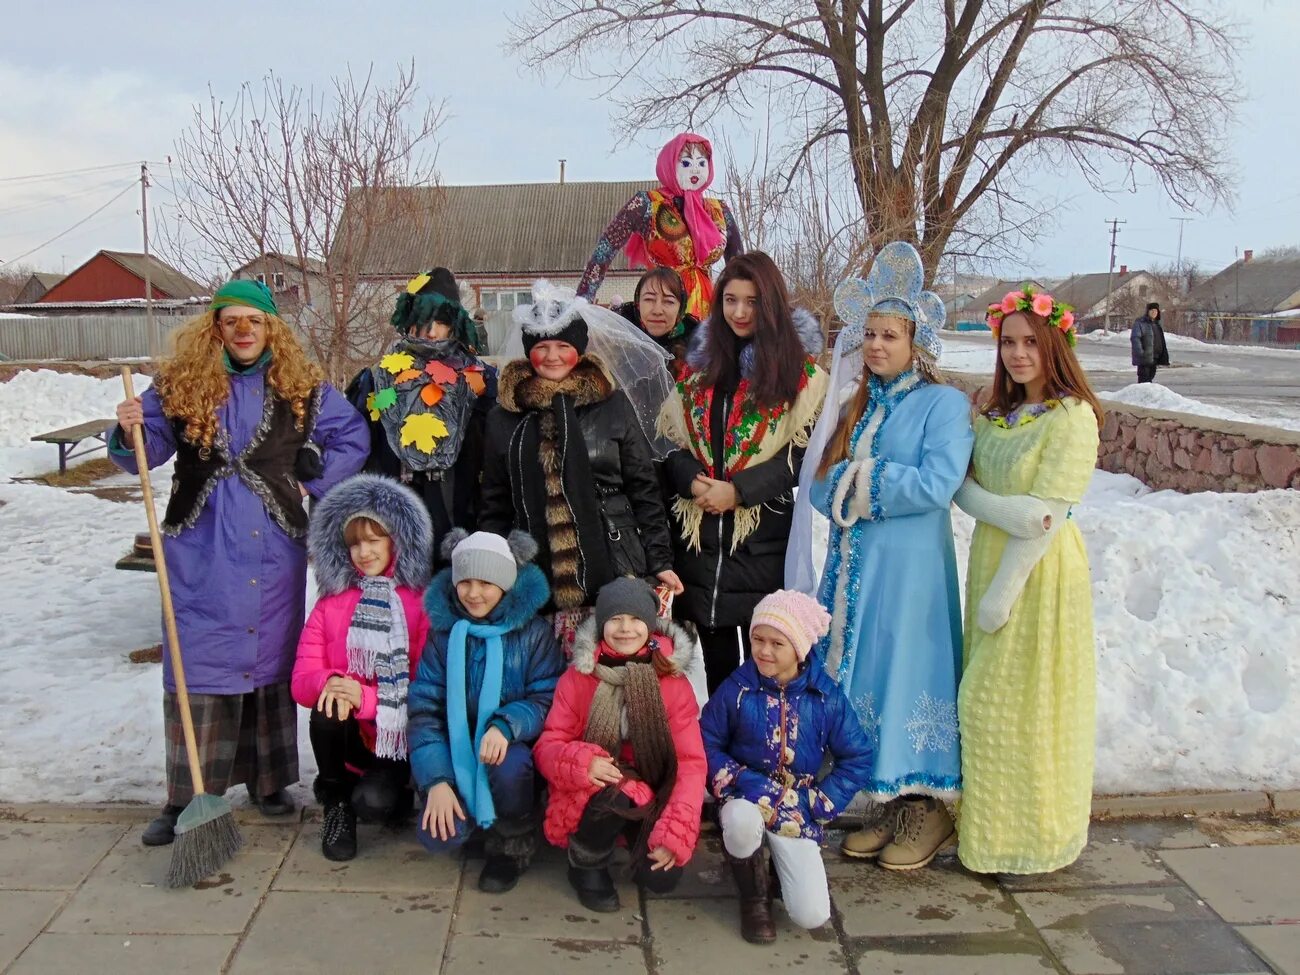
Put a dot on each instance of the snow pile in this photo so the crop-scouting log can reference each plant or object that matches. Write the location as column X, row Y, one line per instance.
column 41, row 400
column 1156, row 397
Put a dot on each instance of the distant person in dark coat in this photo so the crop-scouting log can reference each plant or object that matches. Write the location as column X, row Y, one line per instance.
column 1147, row 340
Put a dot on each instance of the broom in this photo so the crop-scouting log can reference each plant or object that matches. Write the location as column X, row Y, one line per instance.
column 206, row 834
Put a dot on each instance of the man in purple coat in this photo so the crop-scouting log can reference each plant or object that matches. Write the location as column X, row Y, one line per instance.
column 254, row 429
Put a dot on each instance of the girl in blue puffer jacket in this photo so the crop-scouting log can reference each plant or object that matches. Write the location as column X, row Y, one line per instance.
column 479, row 700
column 767, row 731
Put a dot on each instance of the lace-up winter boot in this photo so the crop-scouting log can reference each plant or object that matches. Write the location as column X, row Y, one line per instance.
column 877, row 831
column 755, row 886
column 924, row 828
column 338, row 832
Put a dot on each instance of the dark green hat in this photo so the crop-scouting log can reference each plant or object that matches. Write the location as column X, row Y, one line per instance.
column 254, row 294
column 434, row 296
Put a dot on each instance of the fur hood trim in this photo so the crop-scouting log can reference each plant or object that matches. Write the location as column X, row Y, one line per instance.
column 520, row 604
column 519, row 388
column 685, row 648
column 806, row 327
column 393, row 505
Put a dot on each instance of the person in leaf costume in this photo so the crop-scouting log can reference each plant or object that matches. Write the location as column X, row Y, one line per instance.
column 426, row 401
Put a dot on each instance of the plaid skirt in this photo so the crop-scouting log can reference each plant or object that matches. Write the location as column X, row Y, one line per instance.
column 242, row 738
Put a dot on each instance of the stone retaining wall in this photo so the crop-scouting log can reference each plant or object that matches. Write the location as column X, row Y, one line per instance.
column 1191, row 453
column 1182, row 452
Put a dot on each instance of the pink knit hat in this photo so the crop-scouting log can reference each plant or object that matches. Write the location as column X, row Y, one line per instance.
column 797, row 617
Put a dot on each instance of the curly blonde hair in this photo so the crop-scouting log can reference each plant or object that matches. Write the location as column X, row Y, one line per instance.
column 193, row 383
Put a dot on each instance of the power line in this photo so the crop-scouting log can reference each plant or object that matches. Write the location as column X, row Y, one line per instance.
column 35, row 177
column 129, row 187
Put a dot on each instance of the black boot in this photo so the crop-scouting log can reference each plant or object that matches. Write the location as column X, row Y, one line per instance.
column 338, row 832
column 278, row 803
column 595, row 888
column 499, row 874
column 754, row 883
column 162, row 830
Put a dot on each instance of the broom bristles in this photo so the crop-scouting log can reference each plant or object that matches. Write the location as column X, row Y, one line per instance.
column 206, row 838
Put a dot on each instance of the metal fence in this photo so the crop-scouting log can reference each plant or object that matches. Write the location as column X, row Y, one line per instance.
column 82, row 337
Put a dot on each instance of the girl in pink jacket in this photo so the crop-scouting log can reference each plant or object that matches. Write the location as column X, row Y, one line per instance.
column 370, row 542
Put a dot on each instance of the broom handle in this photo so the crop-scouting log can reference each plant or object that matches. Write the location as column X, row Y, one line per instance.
column 165, row 588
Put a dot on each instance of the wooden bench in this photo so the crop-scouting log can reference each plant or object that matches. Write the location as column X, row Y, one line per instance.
column 68, row 438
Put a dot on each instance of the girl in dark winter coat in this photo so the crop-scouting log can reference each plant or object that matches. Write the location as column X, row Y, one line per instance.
column 767, row 732
column 741, row 419
column 622, row 747
column 478, row 701
column 569, row 463
column 658, row 308
column 369, row 542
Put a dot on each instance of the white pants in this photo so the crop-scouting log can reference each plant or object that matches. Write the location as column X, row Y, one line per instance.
column 798, row 861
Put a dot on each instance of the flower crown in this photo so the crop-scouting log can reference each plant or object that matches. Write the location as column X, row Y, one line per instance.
column 1058, row 314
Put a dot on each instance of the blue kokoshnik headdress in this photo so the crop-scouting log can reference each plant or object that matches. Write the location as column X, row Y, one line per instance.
column 895, row 286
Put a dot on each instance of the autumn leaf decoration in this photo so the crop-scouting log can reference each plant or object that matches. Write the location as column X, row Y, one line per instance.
column 423, row 430
column 441, row 373
column 396, row 362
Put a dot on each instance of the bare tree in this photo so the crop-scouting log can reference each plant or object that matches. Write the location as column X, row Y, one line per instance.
column 272, row 171
column 935, row 110
column 12, row 279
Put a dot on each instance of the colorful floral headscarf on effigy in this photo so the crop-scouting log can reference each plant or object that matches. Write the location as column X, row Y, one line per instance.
column 705, row 235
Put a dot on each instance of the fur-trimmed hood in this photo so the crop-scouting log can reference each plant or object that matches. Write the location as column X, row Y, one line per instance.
column 685, row 649
column 520, row 604
column 393, row 505
column 806, row 327
column 519, row 388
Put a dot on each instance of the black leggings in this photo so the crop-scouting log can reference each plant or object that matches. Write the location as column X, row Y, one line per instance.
column 725, row 648
column 381, row 792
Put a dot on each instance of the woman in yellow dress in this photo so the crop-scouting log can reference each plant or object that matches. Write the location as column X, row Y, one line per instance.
column 1027, row 701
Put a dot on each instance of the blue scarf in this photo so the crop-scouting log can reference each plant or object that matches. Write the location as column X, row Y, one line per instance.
column 471, row 774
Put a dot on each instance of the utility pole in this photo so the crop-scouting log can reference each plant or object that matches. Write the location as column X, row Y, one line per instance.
column 155, row 340
column 1182, row 222
column 1114, row 231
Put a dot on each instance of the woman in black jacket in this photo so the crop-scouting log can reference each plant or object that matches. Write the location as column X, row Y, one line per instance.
column 658, row 308
column 745, row 407
column 567, row 461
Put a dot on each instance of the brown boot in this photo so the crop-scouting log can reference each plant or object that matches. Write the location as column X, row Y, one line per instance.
column 755, row 887
column 924, row 828
column 877, row 832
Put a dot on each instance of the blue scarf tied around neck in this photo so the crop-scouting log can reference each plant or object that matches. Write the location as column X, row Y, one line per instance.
column 471, row 774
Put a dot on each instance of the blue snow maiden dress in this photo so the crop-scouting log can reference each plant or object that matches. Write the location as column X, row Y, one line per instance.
column 890, row 581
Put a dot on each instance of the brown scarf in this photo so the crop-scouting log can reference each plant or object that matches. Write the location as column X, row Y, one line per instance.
column 629, row 705
column 552, row 440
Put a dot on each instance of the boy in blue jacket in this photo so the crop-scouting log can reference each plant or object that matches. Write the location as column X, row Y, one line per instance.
column 767, row 730
column 479, row 700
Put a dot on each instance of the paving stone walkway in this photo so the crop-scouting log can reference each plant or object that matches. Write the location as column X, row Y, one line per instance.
column 78, row 893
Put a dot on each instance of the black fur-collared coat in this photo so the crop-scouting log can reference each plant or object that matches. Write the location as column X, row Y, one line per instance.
column 568, row 463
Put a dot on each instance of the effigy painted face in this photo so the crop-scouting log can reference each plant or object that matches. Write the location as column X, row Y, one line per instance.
column 693, row 168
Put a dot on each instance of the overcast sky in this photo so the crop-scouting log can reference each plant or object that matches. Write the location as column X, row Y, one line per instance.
column 90, row 84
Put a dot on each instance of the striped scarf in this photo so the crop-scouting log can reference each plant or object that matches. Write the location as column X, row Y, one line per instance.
column 379, row 651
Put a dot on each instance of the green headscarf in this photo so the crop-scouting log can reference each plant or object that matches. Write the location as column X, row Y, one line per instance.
column 253, row 294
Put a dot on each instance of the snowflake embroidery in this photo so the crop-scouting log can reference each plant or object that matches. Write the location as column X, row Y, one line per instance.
column 864, row 705
column 933, row 725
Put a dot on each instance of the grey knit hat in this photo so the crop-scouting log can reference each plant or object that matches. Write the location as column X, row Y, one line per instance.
column 626, row 595
column 485, row 556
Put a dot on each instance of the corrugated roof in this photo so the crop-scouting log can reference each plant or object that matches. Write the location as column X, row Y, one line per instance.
column 162, row 276
column 994, row 293
column 310, row 264
column 1262, row 284
column 1085, row 291
column 48, row 280
column 511, row 228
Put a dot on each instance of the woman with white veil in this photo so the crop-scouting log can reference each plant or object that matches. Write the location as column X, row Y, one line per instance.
column 568, row 452
column 889, row 452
